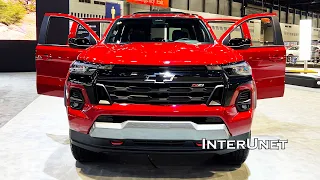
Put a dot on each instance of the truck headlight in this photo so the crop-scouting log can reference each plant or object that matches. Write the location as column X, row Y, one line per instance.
column 84, row 68
column 238, row 69
column 85, row 73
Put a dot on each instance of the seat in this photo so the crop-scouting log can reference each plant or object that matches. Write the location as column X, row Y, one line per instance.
column 137, row 36
column 178, row 34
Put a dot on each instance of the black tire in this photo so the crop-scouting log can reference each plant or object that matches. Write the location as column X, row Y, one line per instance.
column 83, row 155
column 289, row 59
column 237, row 157
column 234, row 158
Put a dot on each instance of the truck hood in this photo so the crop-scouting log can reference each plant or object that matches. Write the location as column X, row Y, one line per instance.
column 160, row 54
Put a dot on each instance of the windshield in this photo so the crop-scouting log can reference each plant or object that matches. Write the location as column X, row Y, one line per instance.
column 159, row 30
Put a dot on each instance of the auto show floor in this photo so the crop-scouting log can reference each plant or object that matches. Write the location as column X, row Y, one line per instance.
column 34, row 145
column 17, row 90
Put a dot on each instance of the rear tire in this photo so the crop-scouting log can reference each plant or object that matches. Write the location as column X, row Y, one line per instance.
column 83, row 155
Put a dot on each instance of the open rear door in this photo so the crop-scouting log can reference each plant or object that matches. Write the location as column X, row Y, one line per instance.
column 266, row 54
column 53, row 52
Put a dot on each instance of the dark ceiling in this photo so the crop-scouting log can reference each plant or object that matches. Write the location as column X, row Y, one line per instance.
column 305, row 5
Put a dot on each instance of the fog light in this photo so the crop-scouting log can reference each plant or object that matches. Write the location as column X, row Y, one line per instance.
column 243, row 102
column 244, row 106
column 76, row 99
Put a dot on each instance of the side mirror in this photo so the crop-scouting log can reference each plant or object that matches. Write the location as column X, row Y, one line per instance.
column 239, row 43
column 82, row 43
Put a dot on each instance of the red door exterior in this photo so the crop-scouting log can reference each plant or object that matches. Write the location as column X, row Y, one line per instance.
column 267, row 62
column 52, row 60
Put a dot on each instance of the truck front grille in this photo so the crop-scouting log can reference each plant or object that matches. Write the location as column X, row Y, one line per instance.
column 142, row 85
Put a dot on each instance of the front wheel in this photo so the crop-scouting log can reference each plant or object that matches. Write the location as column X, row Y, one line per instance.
column 234, row 158
column 237, row 157
column 83, row 155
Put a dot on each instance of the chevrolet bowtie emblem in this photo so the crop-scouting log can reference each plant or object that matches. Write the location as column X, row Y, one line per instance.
column 160, row 77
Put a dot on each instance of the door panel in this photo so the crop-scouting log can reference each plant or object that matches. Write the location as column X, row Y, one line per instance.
column 266, row 55
column 268, row 69
column 52, row 64
column 53, row 54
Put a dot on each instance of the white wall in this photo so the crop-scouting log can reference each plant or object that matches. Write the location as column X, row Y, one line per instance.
column 252, row 9
column 314, row 22
column 290, row 32
column 283, row 16
column 211, row 6
column 236, row 9
column 315, row 33
column 224, row 7
column 196, row 5
column 138, row 8
column 76, row 7
column 297, row 19
column 290, row 18
column 203, row 14
column 179, row 4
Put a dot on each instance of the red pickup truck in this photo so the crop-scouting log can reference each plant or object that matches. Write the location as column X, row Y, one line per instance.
column 160, row 82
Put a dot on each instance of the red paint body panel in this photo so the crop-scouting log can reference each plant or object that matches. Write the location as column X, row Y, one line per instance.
column 160, row 54
column 52, row 63
column 268, row 69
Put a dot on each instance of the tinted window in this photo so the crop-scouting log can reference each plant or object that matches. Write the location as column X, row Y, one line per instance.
column 158, row 30
column 58, row 31
column 98, row 27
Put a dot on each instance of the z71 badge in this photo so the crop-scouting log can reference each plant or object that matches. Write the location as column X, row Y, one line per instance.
column 197, row 85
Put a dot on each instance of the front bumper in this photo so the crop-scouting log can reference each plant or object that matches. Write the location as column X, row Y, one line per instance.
column 103, row 145
column 236, row 122
column 159, row 130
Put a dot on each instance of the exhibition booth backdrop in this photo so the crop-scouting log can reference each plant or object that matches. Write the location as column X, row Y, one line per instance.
column 18, row 34
column 18, row 38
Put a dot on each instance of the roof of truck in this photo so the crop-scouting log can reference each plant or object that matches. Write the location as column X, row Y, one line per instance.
column 161, row 14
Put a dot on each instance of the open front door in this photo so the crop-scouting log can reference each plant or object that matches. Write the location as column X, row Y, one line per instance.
column 54, row 53
column 265, row 51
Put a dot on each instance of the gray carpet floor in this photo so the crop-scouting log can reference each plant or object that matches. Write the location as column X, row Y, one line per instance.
column 17, row 91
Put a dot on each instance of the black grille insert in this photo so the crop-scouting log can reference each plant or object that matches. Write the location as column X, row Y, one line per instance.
column 128, row 84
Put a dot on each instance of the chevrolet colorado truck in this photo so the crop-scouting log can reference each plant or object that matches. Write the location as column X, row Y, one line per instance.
column 160, row 82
